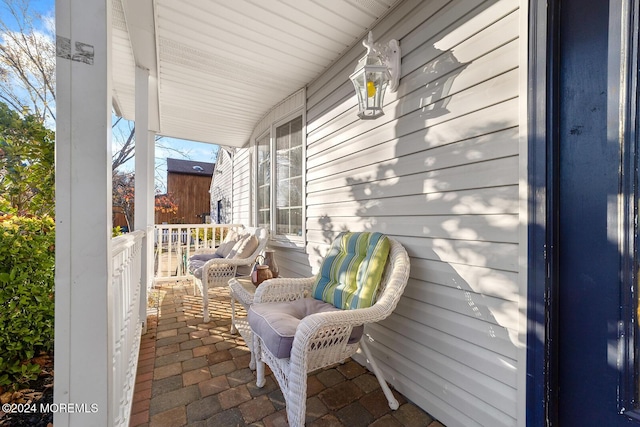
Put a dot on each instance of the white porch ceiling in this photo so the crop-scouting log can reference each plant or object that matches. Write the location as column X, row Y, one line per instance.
column 218, row 66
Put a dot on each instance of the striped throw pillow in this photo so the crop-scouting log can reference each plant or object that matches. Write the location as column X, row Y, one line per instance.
column 352, row 270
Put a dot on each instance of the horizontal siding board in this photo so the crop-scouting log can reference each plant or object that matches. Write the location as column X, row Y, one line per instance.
column 416, row 112
column 425, row 389
column 492, row 255
column 242, row 178
column 480, row 280
column 292, row 262
column 337, row 104
column 477, row 18
column 458, row 397
column 476, row 54
column 484, row 228
column 492, row 392
column 501, row 256
column 465, row 301
column 458, row 71
column 419, row 128
column 413, row 116
column 476, row 331
column 333, row 172
column 440, row 18
column 367, row 185
column 495, row 200
column 436, row 55
column 494, row 142
column 480, row 359
column 473, row 65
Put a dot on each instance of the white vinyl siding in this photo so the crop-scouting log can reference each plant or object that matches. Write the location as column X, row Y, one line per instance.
column 440, row 173
column 222, row 188
column 242, row 187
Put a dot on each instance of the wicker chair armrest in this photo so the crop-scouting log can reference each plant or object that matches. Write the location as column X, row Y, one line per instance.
column 283, row 289
column 331, row 330
column 319, row 323
column 212, row 263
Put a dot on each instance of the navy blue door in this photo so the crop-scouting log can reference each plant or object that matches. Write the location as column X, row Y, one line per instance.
column 587, row 361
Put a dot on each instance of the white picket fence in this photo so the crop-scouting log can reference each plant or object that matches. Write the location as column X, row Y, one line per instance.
column 175, row 243
column 125, row 327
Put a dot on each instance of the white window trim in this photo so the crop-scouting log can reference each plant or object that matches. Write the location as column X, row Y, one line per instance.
column 280, row 240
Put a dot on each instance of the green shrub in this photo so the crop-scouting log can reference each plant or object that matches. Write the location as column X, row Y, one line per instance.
column 27, row 259
column 200, row 235
column 116, row 231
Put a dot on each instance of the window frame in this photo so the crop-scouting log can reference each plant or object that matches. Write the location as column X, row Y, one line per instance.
column 283, row 240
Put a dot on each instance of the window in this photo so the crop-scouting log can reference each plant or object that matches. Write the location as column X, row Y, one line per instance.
column 263, row 186
column 279, row 202
column 289, row 178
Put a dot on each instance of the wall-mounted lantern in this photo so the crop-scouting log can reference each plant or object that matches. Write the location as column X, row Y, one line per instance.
column 379, row 68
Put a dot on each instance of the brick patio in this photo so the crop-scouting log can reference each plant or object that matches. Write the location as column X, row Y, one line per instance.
column 196, row 374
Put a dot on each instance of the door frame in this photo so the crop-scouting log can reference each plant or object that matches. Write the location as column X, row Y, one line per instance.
column 542, row 235
column 624, row 37
column 542, row 195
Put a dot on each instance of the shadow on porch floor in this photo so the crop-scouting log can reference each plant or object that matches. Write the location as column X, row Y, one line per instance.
column 196, row 374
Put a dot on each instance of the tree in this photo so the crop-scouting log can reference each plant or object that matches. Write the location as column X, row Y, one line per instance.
column 124, row 197
column 27, row 87
column 27, row 72
column 27, row 160
column 165, row 203
column 27, row 61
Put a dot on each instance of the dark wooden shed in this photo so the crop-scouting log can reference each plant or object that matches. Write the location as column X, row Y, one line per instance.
column 188, row 184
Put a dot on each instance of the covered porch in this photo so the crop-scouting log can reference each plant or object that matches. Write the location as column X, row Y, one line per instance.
column 440, row 171
column 197, row 374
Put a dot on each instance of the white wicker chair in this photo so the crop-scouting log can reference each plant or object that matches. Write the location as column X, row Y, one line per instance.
column 218, row 271
column 322, row 339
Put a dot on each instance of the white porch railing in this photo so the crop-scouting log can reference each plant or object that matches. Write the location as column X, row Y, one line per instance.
column 175, row 243
column 125, row 323
column 173, row 246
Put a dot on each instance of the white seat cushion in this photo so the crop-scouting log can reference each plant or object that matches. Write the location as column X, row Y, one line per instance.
column 276, row 322
column 196, row 262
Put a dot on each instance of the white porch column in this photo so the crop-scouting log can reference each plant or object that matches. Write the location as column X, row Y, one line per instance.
column 145, row 188
column 83, row 211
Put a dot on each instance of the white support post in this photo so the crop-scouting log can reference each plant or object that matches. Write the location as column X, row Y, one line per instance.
column 83, row 212
column 144, row 182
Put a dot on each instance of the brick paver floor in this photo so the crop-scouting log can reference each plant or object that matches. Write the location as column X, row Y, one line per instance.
column 196, row 374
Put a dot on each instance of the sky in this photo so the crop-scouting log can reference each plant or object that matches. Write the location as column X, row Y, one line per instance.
column 168, row 148
column 179, row 149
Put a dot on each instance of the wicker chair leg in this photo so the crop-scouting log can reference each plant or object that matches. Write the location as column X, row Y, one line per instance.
column 234, row 330
column 260, row 381
column 296, row 399
column 393, row 402
column 205, row 301
column 254, row 344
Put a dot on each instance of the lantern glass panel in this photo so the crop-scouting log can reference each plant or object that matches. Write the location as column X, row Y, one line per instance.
column 370, row 81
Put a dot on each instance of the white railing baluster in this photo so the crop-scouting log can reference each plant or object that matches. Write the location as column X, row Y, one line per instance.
column 177, row 242
column 125, row 323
